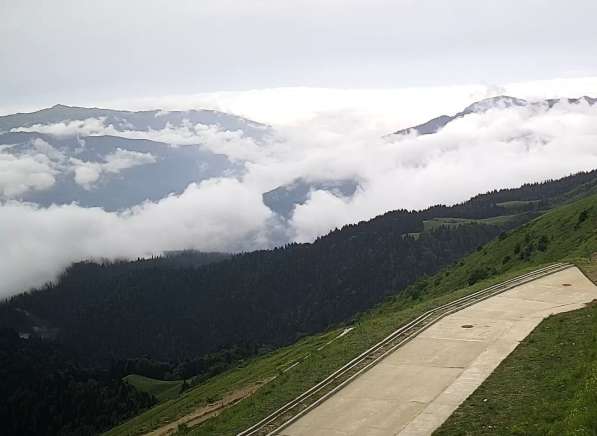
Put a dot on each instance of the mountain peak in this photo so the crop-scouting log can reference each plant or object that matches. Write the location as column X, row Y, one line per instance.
column 499, row 102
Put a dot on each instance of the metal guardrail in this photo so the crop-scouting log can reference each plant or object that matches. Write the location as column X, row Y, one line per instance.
column 293, row 410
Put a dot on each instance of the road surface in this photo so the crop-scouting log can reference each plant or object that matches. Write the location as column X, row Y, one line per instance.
column 416, row 388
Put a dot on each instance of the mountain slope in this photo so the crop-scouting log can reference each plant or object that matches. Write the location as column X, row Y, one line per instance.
column 129, row 120
column 572, row 236
column 45, row 391
column 113, row 172
column 113, row 159
column 284, row 199
column 567, row 233
column 261, row 299
column 501, row 102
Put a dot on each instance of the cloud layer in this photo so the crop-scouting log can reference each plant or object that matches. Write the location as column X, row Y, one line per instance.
column 482, row 151
column 87, row 173
column 35, row 168
column 38, row 243
column 32, row 170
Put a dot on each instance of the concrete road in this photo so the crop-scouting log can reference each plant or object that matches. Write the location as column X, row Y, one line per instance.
column 416, row 388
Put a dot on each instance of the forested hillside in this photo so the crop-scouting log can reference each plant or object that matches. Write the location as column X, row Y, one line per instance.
column 261, row 300
column 45, row 391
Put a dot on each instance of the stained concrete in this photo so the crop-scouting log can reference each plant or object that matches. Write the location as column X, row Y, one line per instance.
column 415, row 389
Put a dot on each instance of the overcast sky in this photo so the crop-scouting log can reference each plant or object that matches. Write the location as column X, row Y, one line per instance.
column 83, row 52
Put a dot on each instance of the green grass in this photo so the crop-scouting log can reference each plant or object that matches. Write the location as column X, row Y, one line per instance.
column 560, row 234
column 516, row 204
column 547, row 386
column 161, row 389
column 455, row 222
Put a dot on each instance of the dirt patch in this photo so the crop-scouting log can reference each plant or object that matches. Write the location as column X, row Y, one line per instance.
column 207, row 411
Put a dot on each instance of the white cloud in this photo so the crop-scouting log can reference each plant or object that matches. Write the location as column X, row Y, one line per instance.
column 88, row 173
column 480, row 152
column 38, row 243
column 35, row 168
column 87, row 127
column 19, row 174
column 31, row 170
column 232, row 143
column 43, row 147
column 381, row 109
column 123, row 159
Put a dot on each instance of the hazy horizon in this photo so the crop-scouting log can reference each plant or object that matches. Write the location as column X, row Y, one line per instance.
column 78, row 52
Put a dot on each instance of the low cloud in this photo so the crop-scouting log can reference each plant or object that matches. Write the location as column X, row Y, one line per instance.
column 45, row 148
column 234, row 144
column 19, row 174
column 88, row 173
column 87, row 127
column 38, row 243
column 477, row 153
column 34, row 169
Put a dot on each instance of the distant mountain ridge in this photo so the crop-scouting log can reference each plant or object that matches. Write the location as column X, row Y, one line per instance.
column 150, row 170
column 500, row 102
column 123, row 120
column 284, row 199
column 103, row 168
column 160, row 169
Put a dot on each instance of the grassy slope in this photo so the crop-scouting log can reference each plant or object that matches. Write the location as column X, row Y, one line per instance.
column 162, row 390
column 498, row 260
column 455, row 222
column 517, row 203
